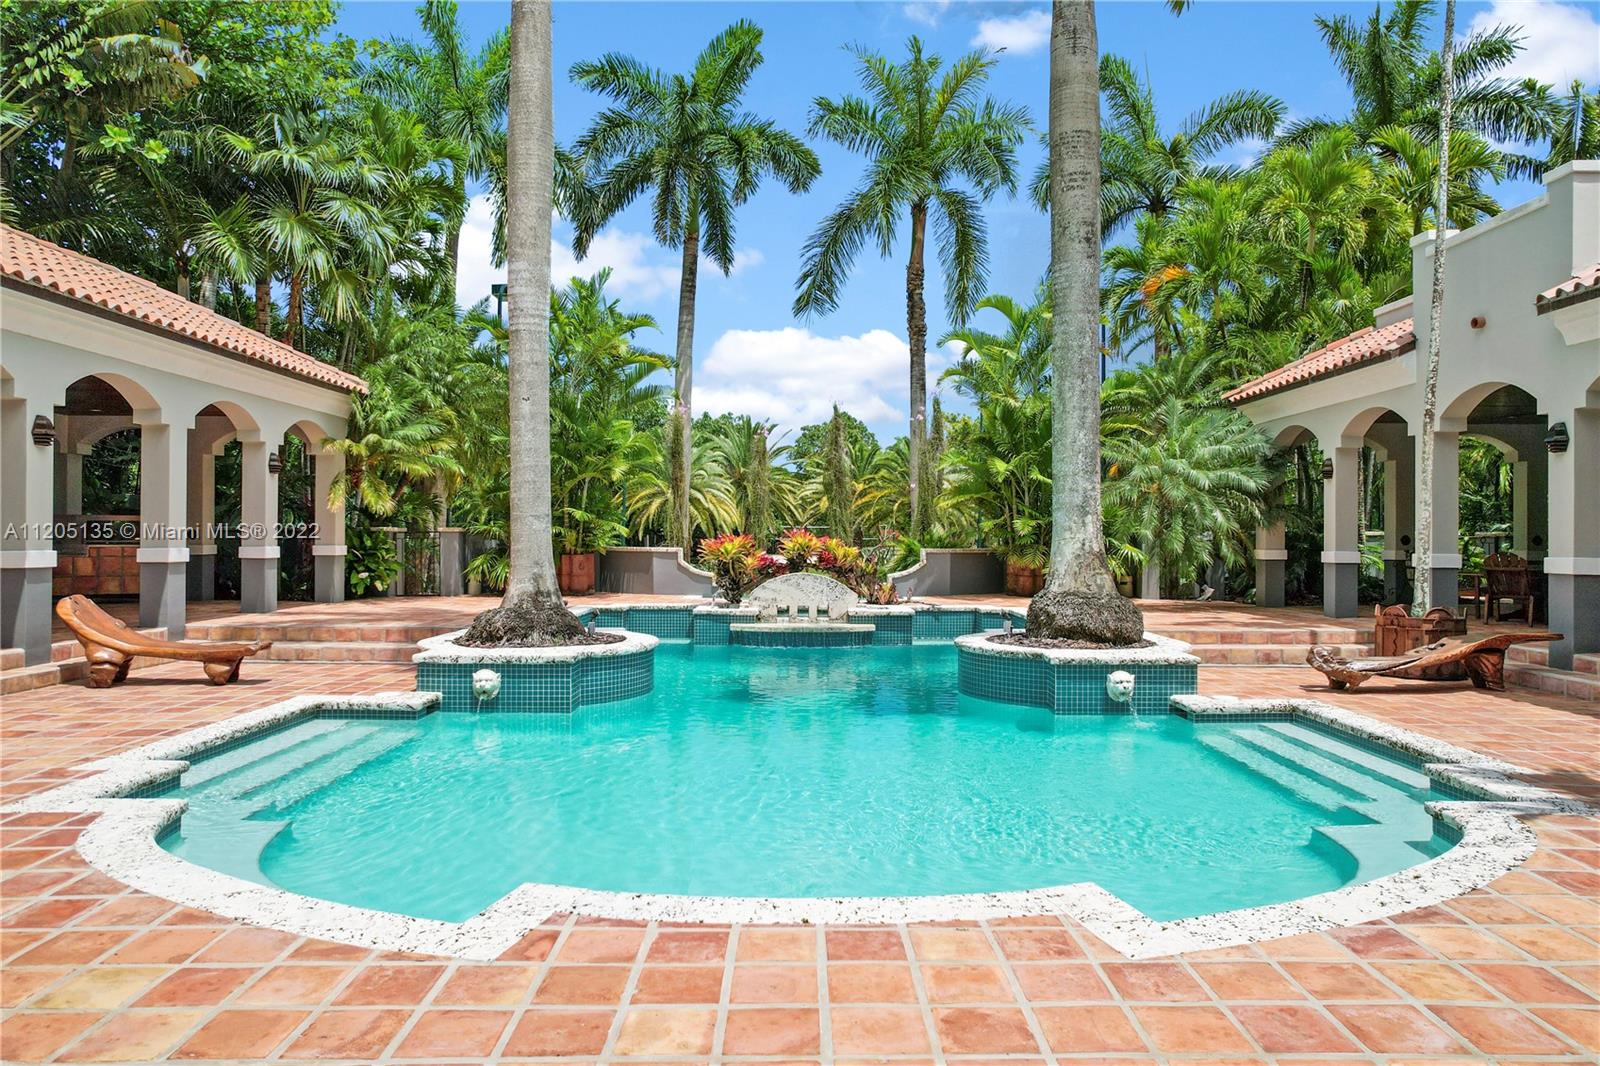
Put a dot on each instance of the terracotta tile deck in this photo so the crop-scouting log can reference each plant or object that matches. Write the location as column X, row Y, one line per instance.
column 94, row 971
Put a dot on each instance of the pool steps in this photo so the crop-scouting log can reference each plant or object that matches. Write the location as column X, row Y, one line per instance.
column 257, row 751
column 1369, row 763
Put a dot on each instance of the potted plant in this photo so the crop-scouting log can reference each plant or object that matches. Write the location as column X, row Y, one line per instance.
column 1024, row 570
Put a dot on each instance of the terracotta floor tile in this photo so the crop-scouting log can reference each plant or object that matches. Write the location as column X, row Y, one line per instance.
column 327, row 951
column 659, row 1031
column 535, row 946
column 1530, row 984
column 1187, row 1030
column 689, row 947
column 1549, row 943
column 1461, row 942
column 389, row 986
column 74, row 949
column 878, row 1031
column 1245, row 980
column 292, row 985
column 1337, row 980
column 1396, row 1030
column 966, row 984
column 100, row 988
column 467, row 1033
column 347, row 1034
column 1038, row 944
column 1153, row 982
column 772, row 1031
column 1436, row 982
column 590, row 986
column 1501, row 1031
column 1075, row 1030
column 983, row 1030
column 247, row 945
column 1581, row 1025
column 559, row 1032
column 134, row 1036
column 601, row 945
column 950, row 945
column 1375, row 941
column 17, row 986
column 486, row 986
column 165, row 945
column 196, row 986
column 864, row 944
column 241, row 1034
column 774, row 984
column 870, row 982
column 1301, row 1030
column 35, row 1036
column 1046, row 981
column 679, row 984
column 777, row 945
column 1306, row 946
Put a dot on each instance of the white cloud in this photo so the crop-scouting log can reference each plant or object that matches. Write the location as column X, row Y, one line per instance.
column 794, row 377
column 1018, row 34
column 1560, row 42
column 640, row 268
column 927, row 12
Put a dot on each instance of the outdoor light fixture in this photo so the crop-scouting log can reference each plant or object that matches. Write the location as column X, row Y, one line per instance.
column 1327, row 469
column 1555, row 441
column 274, row 463
column 44, row 431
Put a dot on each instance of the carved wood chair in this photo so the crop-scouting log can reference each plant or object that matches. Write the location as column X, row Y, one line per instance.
column 1509, row 579
column 111, row 646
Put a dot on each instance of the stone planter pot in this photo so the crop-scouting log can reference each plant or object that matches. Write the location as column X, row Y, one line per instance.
column 1395, row 632
column 576, row 574
column 1023, row 580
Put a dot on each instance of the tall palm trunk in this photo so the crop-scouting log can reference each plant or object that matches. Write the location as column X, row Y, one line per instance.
column 1080, row 600
column 917, row 341
column 264, row 305
column 1422, row 593
column 452, row 240
column 688, row 286
column 532, row 613
column 297, row 292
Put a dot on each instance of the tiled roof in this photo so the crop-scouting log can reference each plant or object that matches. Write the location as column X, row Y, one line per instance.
column 1584, row 285
column 1364, row 346
column 40, row 264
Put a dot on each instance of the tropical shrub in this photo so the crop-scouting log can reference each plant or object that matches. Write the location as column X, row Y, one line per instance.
column 734, row 561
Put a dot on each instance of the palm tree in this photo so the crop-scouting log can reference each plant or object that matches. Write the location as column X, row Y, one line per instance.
column 532, row 613
column 926, row 137
column 1080, row 599
column 1422, row 595
column 458, row 96
column 684, row 140
column 1412, row 175
column 1576, row 135
column 1141, row 169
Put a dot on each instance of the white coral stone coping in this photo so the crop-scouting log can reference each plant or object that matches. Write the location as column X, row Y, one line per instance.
column 444, row 649
column 123, row 844
column 1162, row 651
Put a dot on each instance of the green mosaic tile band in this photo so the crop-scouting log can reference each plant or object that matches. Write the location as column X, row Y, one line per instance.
column 668, row 623
column 891, row 629
column 712, row 629
column 945, row 624
column 1071, row 688
column 798, row 636
column 541, row 688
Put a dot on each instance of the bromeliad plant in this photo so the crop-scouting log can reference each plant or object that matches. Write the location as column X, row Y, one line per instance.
column 734, row 562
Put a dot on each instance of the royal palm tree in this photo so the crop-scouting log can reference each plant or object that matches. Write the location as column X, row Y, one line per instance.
column 532, row 613
column 684, row 140
column 1141, row 168
column 458, row 96
column 936, row 148
column 1411, row 175
column 1080, row 600
column 1576, row 135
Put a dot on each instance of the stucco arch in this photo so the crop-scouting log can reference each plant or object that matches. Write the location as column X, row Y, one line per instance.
column 144, row 403
column 1453, row 415
column 1354, row 434
column 245, row 425
column 1289, row 436
column 313, row 433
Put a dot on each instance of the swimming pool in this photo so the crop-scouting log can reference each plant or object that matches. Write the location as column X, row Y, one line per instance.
column 803, row 773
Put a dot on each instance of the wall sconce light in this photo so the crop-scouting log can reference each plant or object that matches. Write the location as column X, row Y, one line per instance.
column 44, row 431
column 1556, row 440
column 1405, row 540
column 1478, row 321
column 1327, row 469
column 274, row 464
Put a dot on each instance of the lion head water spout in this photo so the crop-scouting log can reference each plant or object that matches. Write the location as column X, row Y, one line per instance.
column 485, row 686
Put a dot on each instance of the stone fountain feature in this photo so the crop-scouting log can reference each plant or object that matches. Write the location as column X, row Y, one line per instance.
column 800, row 610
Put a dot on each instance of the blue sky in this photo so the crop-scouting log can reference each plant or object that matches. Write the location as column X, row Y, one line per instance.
column 751, row 355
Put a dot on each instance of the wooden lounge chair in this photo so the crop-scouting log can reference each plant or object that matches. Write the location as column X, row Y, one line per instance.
column 110, row 646
column 1480, row 661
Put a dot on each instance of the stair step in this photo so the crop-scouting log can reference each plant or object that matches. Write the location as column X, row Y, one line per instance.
column 280, row 764
column 1378, row 850
column 282, row 795
column 258, row 750
column 1291, row 780
column 1569, row 683
column 1539, row 655
column 27, row 678
column 222, row 838
column 1267, row 654
column 341, row 651
column 1395, row 774
column 1359, row 786
column 12, row 659
column 1235, row 636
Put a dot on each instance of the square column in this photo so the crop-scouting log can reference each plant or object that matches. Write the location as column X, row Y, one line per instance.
column 1443, row 570
column 1272, row 558
column 163, row 536
column 1399, row 520
column 1341, row 556
column 258, row 534
column 329, row 550
column 27, row 545
column 1572, row 568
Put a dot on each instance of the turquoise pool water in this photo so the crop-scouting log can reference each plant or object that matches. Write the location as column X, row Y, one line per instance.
column 804, row 772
